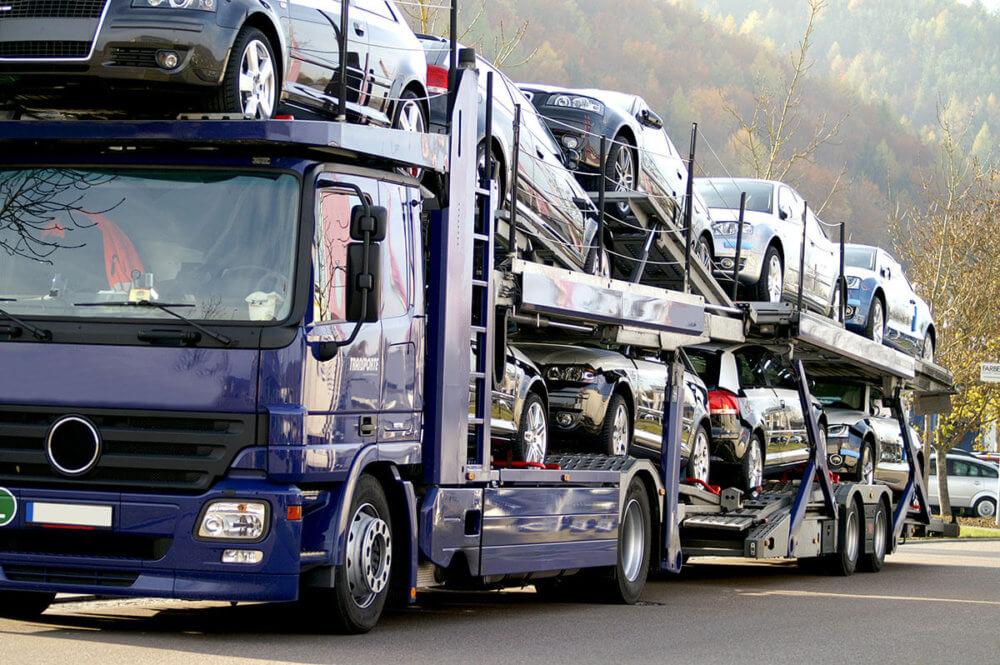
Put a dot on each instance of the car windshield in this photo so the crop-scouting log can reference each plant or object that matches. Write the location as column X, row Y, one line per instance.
column 840, row 396
column 725, row 194
column 221, row 243
column 860, row 257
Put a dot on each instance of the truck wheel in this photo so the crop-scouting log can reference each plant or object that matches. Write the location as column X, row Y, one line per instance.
column 616, row 433
column 873, row 561
column 624, row 583
column 24, row 604
column 251, row 85
column 849, row 546
column 361, row 583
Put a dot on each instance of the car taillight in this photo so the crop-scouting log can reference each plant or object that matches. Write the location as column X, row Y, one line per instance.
column 437, row 80
column 722, row 403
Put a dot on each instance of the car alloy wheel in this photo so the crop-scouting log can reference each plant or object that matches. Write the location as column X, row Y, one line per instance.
column 775, row 279
column 698, row 464
column 257, row 81
column 624, row 171
column 410, row 118
column 704, row 254
column 535, row 435
column 927, row 353
column 866, row 467
column 878, row 322
column 620, row 431
column 755, row 465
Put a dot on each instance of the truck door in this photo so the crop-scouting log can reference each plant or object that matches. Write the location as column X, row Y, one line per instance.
column 342, row 395
column 402, row 325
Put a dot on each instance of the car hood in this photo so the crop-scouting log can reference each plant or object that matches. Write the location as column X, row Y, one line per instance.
column 730, row 215
column 863, row 273
column 843, row 416
column 563, row 354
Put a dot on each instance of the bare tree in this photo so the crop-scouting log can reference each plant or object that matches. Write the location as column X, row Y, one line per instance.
column 772, row 139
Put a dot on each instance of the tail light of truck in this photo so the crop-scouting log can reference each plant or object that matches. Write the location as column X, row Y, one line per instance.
column 723, row 403
column 437, row 80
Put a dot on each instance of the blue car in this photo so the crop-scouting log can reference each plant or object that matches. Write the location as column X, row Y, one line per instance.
column 882, row 304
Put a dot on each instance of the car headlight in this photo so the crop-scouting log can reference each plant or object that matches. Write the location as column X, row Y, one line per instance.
column 204, row 5
column 576, row 102
column 730, row 228
column 234, row 520
column 854, row 282
column 837, row 431
column 572, row 373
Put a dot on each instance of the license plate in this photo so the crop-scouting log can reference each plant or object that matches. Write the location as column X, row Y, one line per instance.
column 68, row 514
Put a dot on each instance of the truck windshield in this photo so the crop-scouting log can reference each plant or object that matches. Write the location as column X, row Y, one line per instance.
column 221, row 242
column 725, row 193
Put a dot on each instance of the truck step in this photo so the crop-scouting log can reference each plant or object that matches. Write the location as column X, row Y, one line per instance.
column 723, row 522
column 590, row 462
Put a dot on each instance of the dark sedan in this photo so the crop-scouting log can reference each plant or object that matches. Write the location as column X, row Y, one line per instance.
column 553, row 208
column 615, row 403
column 758, row 427
column 883, row 305
column 235, row 56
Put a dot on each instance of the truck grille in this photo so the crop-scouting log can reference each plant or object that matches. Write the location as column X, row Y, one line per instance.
column 154, row 451
column 44, row 49
column 52, row 9
column 99, row 544
column 81, row 576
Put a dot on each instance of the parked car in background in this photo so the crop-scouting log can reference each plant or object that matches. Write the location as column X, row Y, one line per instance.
column 238, row 56
column 520, row 410
column 613, row 403
column 758, row 427
column 553, row 208
column 772, row 242
column 972, row 485
column 883, row 305
column 864, row 442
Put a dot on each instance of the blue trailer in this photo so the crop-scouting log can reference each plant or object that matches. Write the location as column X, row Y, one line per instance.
column 236, row 367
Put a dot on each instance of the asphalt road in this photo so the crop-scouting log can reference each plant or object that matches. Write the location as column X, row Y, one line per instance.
column 935, row 602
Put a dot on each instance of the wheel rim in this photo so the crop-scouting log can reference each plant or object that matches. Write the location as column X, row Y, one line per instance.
column 774, row 279
column 535, row 435
column 986, row 509
column 699, row 456
column 851, row 536
column 411, row 119
column 835, row 313
column 756, row 474
column 867, row 466
column 880, row 537
column 928, row 353
column 624, row 171
column 633, row 541
column 705, row 254
column 256, row 81
column 619, row 433
column 369, row 555
column 878, row 322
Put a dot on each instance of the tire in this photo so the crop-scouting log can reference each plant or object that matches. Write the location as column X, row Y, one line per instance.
column 251, row 85
column 703, row 250
column 985, row 507
column 623, row 584
column 872, row 562
column 927, row 350
column 865, row 472
column 409, row 116
column 771, row 284
column 24, row 604
column 621, row 172
column 698, row 462
column 359, row 597
column 875, row 325
column 532, row 441
column 751, row 471
column 616, row 432
column 849, row 545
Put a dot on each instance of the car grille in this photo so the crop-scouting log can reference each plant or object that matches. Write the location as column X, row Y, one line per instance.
column 81, row 576
column 84, row 543
column 133, row 57
column 44, row 49
column 155, row 451
column 52, row 9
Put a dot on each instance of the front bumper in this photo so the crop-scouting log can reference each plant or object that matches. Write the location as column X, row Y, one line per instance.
column 842, row 453
column 150, row 550
column 574, row 410
column 725, row 256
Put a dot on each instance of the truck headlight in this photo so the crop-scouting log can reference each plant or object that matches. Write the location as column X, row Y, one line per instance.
column 204, row 5
column 234, row 520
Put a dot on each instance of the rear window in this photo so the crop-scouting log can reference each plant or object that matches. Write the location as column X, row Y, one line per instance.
column 705, row 364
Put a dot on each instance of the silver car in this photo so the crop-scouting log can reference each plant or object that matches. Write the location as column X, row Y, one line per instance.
column 772, row 242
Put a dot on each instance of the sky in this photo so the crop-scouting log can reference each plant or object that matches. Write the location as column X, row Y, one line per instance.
column 992, row 5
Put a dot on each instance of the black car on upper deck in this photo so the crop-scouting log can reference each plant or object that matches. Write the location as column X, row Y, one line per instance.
column 158, row 57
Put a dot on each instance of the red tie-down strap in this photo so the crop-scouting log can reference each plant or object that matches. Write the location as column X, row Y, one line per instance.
column 714, row 489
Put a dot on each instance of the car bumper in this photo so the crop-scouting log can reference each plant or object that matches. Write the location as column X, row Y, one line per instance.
column 725, row 256
column 151, row 550
column 575, row 410
column 842, row 454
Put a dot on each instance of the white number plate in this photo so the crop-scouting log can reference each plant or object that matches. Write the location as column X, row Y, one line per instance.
column 67, row 514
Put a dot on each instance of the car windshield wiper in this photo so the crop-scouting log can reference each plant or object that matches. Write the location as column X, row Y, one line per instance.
column 164, row 306
column 40, row 334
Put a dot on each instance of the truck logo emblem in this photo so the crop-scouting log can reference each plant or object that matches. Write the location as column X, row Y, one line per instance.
column 8, row 506
column 73, row 446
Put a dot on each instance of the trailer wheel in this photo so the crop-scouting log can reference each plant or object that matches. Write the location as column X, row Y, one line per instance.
column 361, row 583
column 849, row 544
column 873, row 561
column 24, row 604
column 624, row 583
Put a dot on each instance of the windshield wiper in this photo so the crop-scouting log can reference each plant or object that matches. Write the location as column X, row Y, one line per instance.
column 164, row 306
column 40, row 334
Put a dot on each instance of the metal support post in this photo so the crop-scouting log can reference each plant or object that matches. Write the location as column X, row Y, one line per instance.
column 915, row 479
column 595, row 256
column 739, row 244
column 452, row 61
column 670, row 464
column 342, row 102
column 514, row 178
column 802, row 256
column 816, row 467
column 689, row 209
column 842, row 282
column 488, row 136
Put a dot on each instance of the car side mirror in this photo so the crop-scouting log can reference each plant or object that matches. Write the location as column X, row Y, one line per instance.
column 650, row 119
column 784, row 212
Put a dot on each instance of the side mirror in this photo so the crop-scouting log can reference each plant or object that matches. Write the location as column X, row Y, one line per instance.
column 784, row 212
column 650, row 119
column 374, row 221
column 363, row 279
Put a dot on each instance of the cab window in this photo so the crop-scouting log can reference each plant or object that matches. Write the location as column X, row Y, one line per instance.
column 333, row 233
column 396, row 265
